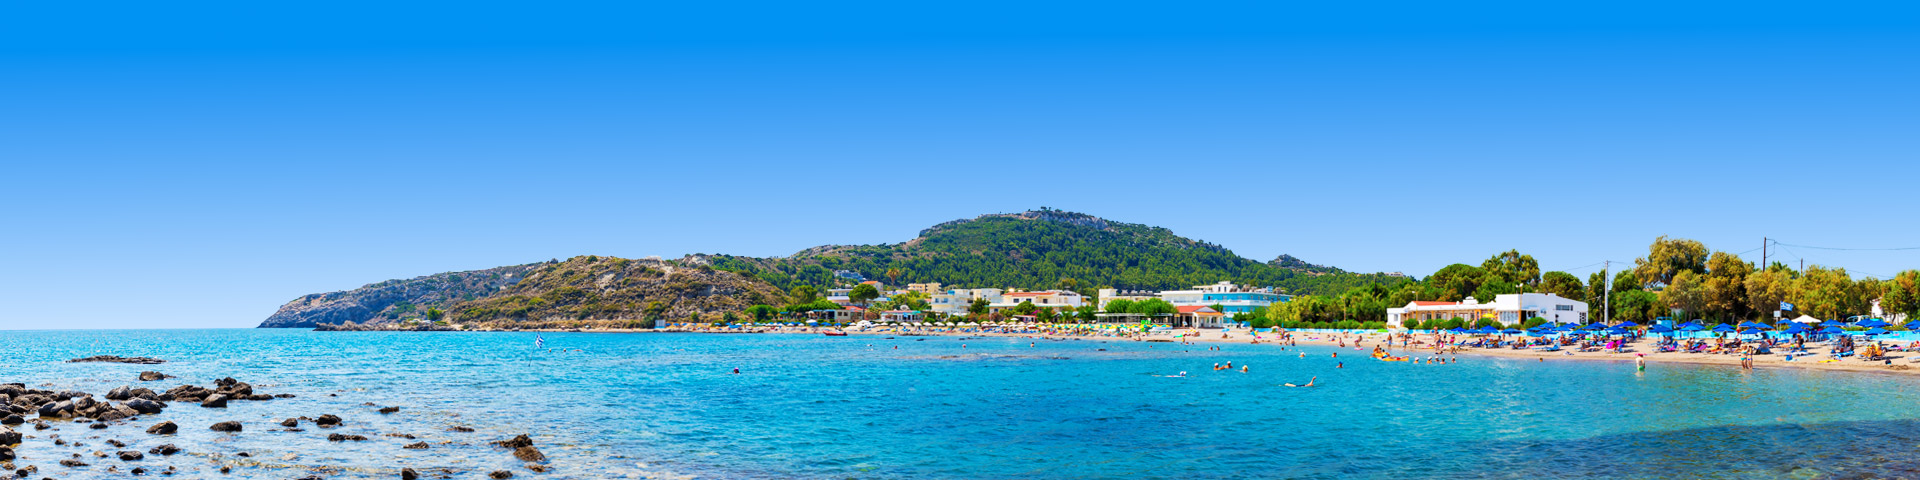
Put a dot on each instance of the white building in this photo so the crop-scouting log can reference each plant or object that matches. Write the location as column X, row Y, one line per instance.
column 1507, row 309
column 956, row 302
column 1231, row 298
column 1055, row 299
column 1108, row 295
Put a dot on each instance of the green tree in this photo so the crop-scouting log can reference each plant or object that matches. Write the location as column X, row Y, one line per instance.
column 893, row 276
column 1726, row 288
column 1903, row 295
column 1513, row 266
column 1457, row 281
column 803, row 294
column 761, row 313
column 1563, row 284
column 1153, row 307
column 1686, row 293
column 863, row 293
column 1120, row 306
column 980, row 306
column 1024, row 308
column 1087, row 314
column 1668, row 257
column 1638, row 306
column 435, row 314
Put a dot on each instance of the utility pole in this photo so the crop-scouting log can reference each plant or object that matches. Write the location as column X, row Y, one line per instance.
column 1763, row 253
column 1606, row 293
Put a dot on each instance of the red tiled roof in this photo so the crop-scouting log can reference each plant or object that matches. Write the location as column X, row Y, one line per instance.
column 870, row 282
column 850, row 307
column 1195, row 309
column 1427, row 303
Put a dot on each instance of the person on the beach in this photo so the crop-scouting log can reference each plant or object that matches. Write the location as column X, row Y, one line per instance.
column 1640, row 362
column 1309, row 382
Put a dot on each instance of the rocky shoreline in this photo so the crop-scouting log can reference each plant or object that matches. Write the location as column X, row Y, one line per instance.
column 42, row 417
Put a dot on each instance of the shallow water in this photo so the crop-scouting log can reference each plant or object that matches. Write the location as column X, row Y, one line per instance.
column 805, row 406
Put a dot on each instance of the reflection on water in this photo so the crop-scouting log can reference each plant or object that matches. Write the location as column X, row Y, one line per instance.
column 668, row 406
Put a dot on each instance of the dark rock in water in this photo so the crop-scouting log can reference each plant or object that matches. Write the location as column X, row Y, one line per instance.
column 500, row 474
column 9, row 437
column 41, row 425
column 122, row 392
column 153, row 376
column 119, row 359
column 58, row 409
column 142, row 405
column 409, row 474
column 416, row 446
column 390, row 410
column 516, row 442
column 130, row 455
column 537, row 468
column 167, row 449
column 98, row 426
column 291, row 422
column 342, row 438
column 13, row 420
column 258, row 397
column 327, row 421
column 137, row 471
column 226, row 427
column 529, row 454
column 283, row 395
column 163, row 428
column 6, row 454
column 457, row 428
column 116, row 443
column 72, row 463
column 215, row 401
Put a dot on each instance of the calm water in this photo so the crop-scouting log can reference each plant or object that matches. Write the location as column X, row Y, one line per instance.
column 666, row 406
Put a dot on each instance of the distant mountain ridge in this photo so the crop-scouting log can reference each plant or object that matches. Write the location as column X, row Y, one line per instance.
column 1036, row 249
column 1046, row 249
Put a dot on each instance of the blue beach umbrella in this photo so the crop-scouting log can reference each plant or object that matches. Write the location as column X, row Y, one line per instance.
column 1796, row 329
column 1660, row 329
column 1831, row 330
column 1913, row 325
column 1723, row 328
column 1567, row 327
column 1692, row 327
column 1596, row 326
column 1876, row 331
column 1626, row 324
column 1486, row 330
column 1871, row 323
column 1511, row 331
column 1616, row 331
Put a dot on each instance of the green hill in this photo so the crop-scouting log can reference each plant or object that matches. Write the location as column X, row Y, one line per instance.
column 1046, row 249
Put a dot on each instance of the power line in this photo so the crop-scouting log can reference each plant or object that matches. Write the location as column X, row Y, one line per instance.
column 1847, row 249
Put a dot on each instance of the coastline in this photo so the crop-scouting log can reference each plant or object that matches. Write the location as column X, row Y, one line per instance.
column 1901, row 360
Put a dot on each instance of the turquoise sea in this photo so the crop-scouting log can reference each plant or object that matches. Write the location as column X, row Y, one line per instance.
column 808, row 406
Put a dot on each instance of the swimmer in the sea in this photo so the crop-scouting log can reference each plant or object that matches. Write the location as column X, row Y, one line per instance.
column 1309, row 382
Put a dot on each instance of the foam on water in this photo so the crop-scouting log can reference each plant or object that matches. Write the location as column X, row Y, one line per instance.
column 667, row 406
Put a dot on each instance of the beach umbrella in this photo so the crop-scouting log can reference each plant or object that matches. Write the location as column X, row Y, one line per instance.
column 1660, row 329
column 1597, row 326
column 1876, row 331
column 1692, row 327
column 1795, row 329
column 1627, row 324
column 1616, row 331
column 1758, row 326
column 1913, row 325
column 1723, row 328
column 1510, row 331
column 1831, row 330
column 1871, row 323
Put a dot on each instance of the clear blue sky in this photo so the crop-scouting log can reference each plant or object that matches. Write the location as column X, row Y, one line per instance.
column 198, row 164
